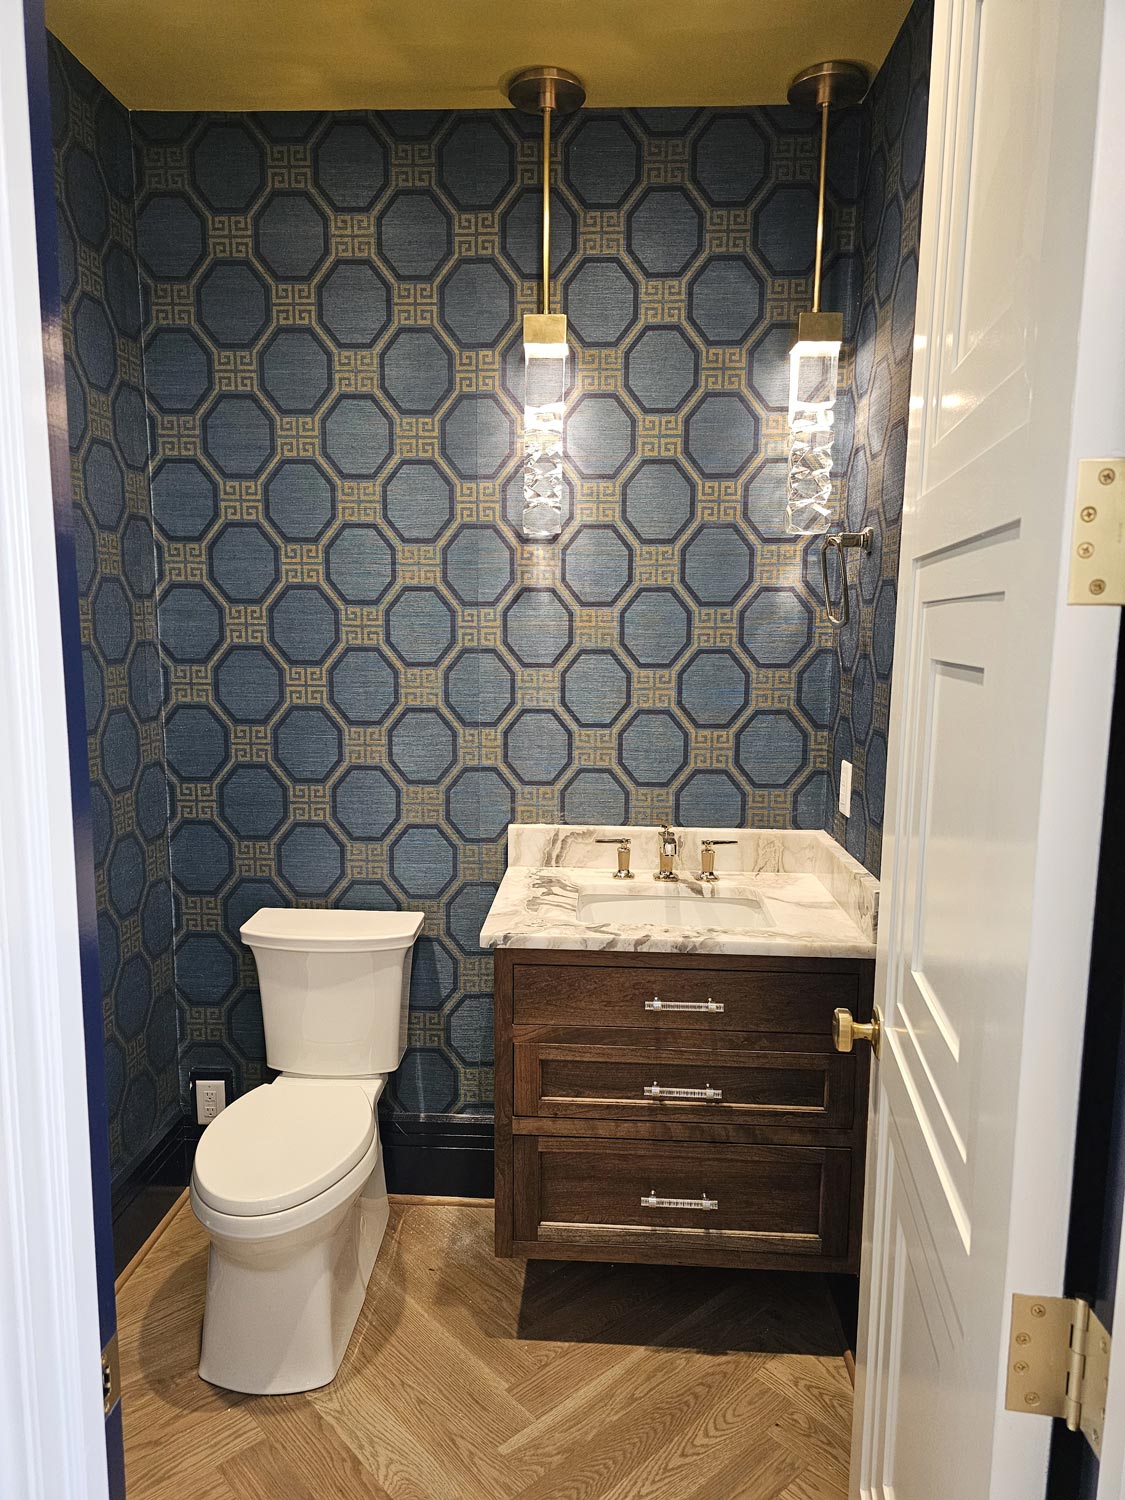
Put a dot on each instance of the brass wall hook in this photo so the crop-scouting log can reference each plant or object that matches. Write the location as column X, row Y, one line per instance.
column 842, row 541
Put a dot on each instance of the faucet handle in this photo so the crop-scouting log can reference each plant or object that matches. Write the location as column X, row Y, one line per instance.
column 624, row 848
column 707, row 858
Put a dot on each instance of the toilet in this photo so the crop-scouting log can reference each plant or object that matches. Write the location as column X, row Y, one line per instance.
column 288, row 1180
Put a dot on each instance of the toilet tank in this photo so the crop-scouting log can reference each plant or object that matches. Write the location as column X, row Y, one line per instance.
column 335, row 988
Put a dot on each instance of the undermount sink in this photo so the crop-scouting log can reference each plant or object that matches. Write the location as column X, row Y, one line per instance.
column 675, row 908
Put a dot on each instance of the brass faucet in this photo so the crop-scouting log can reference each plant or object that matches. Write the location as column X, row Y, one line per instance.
column 623, row 871
column 707, row 858
column 668, row 851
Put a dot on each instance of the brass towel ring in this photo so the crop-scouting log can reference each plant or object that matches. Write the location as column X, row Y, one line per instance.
column 842, row 541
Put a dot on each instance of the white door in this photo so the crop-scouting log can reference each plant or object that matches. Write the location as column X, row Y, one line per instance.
column 1000, row 712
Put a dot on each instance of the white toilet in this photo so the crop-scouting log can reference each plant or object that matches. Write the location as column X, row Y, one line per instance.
column 288, row 1181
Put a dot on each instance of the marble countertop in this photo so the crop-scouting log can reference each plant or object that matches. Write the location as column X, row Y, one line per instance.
column 807, row 897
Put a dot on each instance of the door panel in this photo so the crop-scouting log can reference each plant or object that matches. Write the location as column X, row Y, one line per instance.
column 992, row 218
column 1000, row 694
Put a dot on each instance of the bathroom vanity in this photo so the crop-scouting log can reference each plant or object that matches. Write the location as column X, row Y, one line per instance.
column 667, row 1085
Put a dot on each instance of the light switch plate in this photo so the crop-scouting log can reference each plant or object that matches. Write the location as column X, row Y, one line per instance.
column 846, row 788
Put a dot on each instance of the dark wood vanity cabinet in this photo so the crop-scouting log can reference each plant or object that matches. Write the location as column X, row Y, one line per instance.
column 679, row 1108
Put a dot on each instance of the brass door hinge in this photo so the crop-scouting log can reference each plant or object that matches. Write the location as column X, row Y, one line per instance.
column 1058, row 1363
column 111, row 1376
column 1097, row 550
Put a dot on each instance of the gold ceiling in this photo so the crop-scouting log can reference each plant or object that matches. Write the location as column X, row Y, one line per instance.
column 457, row 54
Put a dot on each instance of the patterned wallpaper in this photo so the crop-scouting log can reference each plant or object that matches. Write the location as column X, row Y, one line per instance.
column 369, row 674
column 102, row 324
column 892, row 155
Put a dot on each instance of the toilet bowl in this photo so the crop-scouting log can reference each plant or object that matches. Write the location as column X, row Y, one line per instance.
column 288, row 1181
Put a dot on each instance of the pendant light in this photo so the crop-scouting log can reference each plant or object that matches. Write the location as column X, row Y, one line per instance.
column 814, row 359
column 544, row 91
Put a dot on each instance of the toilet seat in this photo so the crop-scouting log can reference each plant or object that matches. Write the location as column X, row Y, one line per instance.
column 283, row 1145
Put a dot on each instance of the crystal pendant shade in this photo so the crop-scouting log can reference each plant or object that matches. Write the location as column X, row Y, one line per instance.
column 544, row 495
column 813, row 369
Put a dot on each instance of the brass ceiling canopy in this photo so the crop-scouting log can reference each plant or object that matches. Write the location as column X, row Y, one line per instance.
column 536, row 90
column 836, row 84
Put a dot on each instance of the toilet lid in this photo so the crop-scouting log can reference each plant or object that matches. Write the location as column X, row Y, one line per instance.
column 281, row 1145
column 319, row 930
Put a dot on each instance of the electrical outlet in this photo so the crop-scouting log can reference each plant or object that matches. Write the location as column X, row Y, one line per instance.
column 846, row 788
column 210, row 1099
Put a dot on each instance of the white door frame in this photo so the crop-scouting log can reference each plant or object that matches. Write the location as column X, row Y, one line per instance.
column 1104, row 279
column 52, row 1429
column 1074, row 754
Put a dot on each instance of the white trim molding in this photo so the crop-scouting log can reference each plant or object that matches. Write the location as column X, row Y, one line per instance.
column 52, row 1433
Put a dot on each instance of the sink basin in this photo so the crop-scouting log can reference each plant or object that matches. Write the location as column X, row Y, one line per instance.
column 672, row 909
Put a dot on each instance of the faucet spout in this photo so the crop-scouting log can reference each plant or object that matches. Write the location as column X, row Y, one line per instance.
column 669, row 848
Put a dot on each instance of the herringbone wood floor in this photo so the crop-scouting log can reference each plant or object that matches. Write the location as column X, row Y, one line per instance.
column 470, row 1378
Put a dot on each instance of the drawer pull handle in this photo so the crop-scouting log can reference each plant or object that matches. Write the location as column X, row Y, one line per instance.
column 706, row 1007
column 654, row 1090
column 704, row 1203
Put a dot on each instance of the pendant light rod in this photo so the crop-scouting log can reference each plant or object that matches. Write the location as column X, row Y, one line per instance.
column 820, row 207
column 546, row 91
column 820, row 87
column 547, row 205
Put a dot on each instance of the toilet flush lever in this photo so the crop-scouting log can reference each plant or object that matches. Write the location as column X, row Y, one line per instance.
column 842, row 541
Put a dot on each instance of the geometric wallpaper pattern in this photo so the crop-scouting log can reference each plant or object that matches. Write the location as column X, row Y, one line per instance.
column 368, row 673
column 890, row 208
column 102, row 327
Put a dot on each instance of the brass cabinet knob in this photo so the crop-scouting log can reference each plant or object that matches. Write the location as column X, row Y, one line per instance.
column 846, row 1030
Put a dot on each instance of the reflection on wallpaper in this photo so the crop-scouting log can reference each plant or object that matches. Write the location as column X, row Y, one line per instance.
column 369, row 674
column 116, row 573
column 893, row 154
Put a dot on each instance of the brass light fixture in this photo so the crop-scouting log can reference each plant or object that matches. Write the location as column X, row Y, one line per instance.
column 545, row 91
column 815, row 356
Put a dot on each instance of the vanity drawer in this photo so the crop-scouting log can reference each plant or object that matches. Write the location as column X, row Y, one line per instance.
column 635, row 1076
column 681, row 1202
column 797, row 998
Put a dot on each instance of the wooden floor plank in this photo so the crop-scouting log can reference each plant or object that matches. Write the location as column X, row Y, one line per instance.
column 812, row 1486
column 815, row 1441
column 590, row 1404
column 682, row 1427
column 760, row 1470
column 304, row 1444
column 820, row 1387
column 470, row 1378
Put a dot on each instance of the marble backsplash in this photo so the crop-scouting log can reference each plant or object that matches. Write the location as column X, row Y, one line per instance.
column 739, row 851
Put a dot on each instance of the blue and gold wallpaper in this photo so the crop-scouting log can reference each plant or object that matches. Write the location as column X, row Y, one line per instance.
column 102, row 326
column 892, row 154
column 369, row 673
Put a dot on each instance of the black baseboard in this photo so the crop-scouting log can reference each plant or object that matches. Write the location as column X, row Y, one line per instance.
column 448, row 1156
column 141, row 1199
column 441, row 1157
